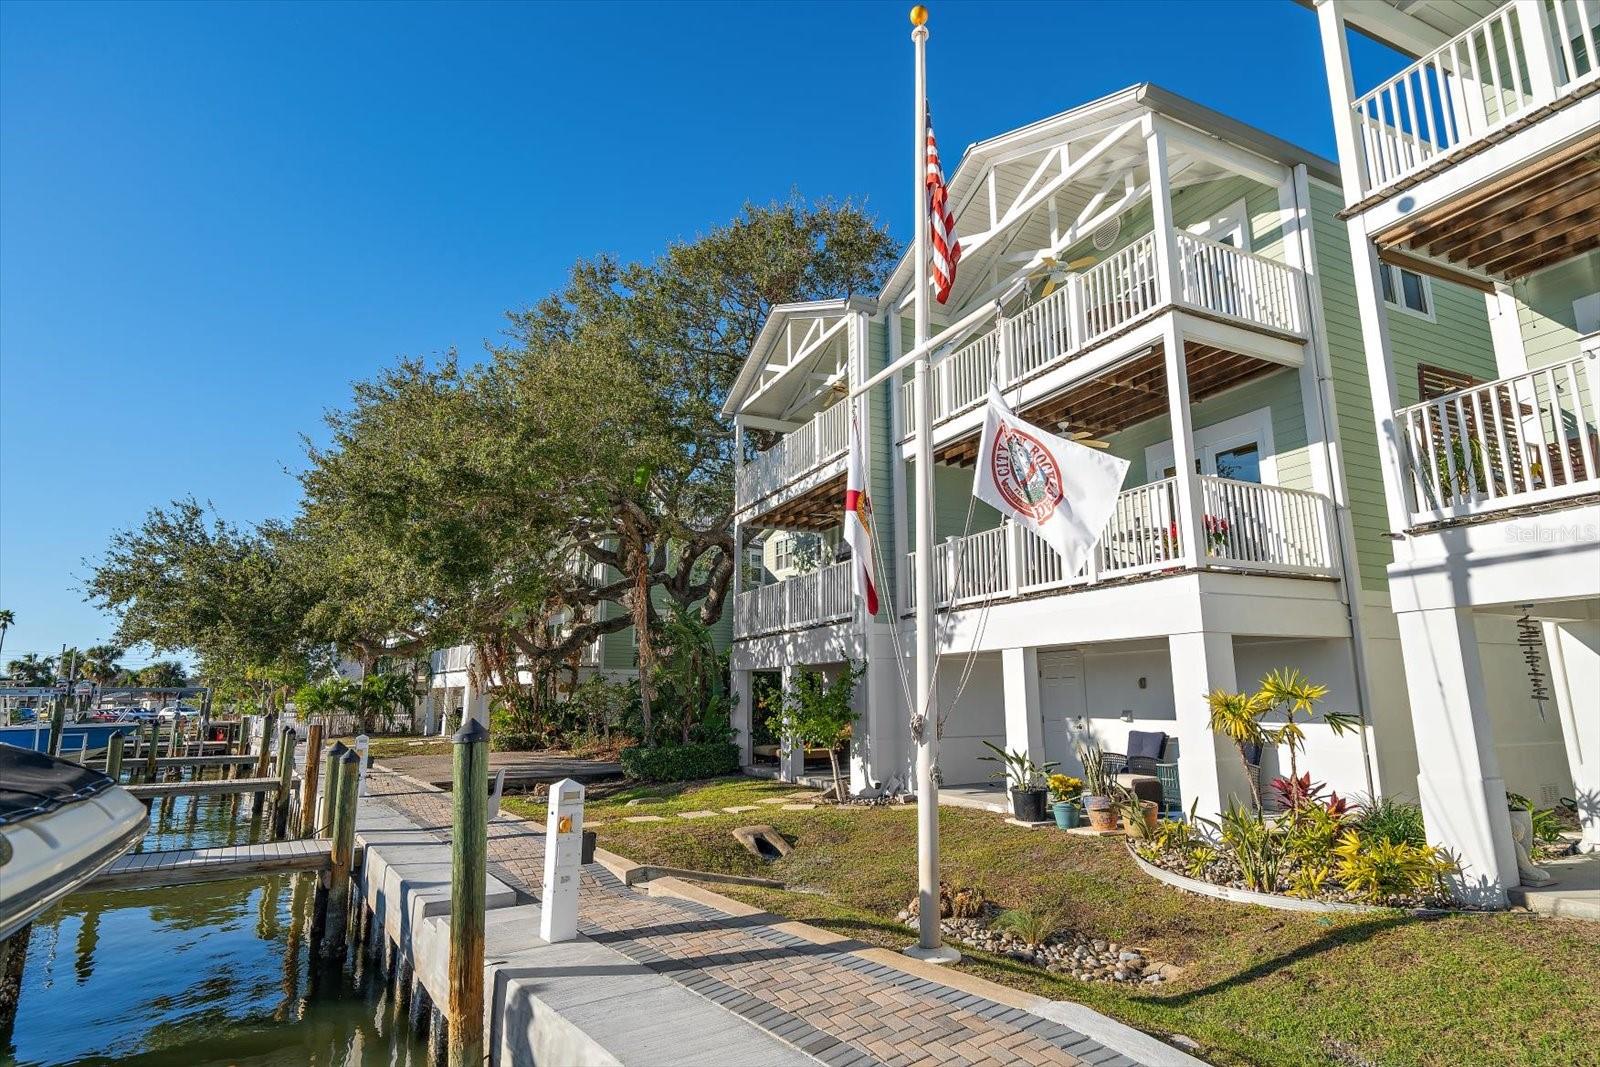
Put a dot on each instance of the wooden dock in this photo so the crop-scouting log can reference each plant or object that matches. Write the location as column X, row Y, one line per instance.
column 212, row 787
column 169, row 762
column 185, row 866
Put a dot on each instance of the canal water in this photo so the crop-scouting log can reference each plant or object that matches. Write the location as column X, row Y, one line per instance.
column 216, row 973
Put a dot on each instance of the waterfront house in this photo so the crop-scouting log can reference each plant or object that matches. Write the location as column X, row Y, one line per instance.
column 1188, row 303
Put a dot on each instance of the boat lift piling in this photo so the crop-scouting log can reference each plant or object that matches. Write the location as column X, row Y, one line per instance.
column 308, row 794
column 469, row 848
column 114, row 757
column 280, row 802
column 336, row 904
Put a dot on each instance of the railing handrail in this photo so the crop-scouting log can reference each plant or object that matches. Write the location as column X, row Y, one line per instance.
column 795, row 454
column 1507, row 379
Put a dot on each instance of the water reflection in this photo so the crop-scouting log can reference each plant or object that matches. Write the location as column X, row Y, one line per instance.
column 217, row 973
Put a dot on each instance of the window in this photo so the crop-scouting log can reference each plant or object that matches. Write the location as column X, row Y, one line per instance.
column 1238, row 448
column 1230, row 226
column 1406, row 290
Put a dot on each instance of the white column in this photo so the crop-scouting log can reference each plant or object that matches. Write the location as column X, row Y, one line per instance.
column 428, row 711
column 1505, row 330
column 1574, row 652
column 1462, row 793
column 1024, row 722
column 1342, row 94
column 1380, row 374
column 1190, row 543
column 1166, row 242
column 791, row 753
column 1209, row 770
column 877, row 755
column 743, row 715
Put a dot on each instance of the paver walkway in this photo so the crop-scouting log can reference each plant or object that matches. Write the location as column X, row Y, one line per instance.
column 842, row 1008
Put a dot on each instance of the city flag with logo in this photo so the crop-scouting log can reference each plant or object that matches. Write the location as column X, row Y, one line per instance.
column 858, row 521
column 1062, row 491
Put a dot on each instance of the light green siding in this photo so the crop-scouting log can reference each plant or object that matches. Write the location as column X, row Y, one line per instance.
column 1550, row 328
column 1458, row 339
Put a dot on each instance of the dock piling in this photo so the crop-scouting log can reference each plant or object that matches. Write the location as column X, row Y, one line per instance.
column 308, row 793
column 280, row 803
column 150, row 751
column 343, row 839
column 469, row 841
column 58, row 723
column 268, row 723
column 114, row 758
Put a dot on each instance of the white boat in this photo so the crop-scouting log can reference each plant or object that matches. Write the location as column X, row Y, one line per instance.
column 60, row 825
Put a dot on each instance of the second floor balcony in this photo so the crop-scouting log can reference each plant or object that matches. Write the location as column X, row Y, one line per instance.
column 822, row 438
column 1248, row 528
column 1525, row 440
column 1210, row 277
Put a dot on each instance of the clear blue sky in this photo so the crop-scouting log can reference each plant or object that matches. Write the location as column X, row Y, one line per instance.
column 213, row 218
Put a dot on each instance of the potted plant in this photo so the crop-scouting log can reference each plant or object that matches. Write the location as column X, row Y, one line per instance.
column 1027, row 780
column 1139, row 817
column 1096, row 788
column 1064, row 793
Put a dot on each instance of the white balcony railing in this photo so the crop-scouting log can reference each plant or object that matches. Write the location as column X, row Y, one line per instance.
column 1247, row 527
column 1525, row 439
column 1521, row 57
column 1221, row 278
column 1104, row 300
column 823, row 438
column 455, row 658
column 823, row 596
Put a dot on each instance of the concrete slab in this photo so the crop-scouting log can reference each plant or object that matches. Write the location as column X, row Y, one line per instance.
column 644, row 818
column 737, row 808
column 1575, row 893
column 799, row 807
column 697, row 814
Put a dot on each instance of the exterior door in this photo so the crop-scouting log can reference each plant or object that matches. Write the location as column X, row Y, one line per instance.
column 1061, row 701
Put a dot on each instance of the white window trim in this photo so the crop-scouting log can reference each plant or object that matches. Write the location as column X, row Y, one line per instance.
column 1427, row 293
column 1251, row 427
column 1234, row 217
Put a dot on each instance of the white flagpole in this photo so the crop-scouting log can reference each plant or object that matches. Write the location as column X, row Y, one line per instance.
column 925, row 714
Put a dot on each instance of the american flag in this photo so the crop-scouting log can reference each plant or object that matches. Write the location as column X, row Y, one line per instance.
column 941, row 225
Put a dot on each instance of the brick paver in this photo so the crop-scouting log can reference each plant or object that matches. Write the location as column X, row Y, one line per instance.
column 842, row 1008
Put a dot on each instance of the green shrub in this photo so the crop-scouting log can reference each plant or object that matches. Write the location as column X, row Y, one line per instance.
column 1394, row 821
column 1032, row 927
column 1385, row 872
column 680, row 763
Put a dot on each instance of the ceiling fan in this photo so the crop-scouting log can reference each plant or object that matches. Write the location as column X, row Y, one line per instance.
column 1081, row 437
column 1051, row 274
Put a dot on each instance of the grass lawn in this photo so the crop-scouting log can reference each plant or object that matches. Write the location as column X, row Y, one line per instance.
column 1259, row 987
column 380, row 747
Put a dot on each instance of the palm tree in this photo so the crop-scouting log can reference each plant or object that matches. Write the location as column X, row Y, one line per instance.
column 100, row 665
column 8, row 618
column 164, row 674
column 33, row 669
column 1237, row 716
column 382, row 697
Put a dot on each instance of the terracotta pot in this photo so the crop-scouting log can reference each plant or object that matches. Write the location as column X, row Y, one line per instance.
column 1151, row 818
column 1102, row 816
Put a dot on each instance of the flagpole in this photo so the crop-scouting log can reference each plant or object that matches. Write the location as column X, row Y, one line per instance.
column 925, row 715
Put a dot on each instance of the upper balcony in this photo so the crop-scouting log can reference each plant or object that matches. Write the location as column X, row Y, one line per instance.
column 1520, row 441
column 1479, row 156
column 788, row 404
column 1218, row 280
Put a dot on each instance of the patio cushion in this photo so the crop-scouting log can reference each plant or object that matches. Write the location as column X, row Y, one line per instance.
column 1147, row 744
column 1143, row 786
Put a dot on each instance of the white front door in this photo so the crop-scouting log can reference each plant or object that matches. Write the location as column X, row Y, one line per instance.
column 1061, row 702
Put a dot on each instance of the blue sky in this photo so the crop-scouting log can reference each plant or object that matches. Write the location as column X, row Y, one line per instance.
column 214, row 218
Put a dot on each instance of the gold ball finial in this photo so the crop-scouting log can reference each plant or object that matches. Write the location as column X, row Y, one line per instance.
column 919, row 16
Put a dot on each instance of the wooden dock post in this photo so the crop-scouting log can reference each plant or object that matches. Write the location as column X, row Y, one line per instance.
column 58, row 723
column 13, row 955
column 150, row 751
column 268, row 723
column 114, row 757
column 308, row 792
column 469, row 846
column 342, row 796
column 280, row 802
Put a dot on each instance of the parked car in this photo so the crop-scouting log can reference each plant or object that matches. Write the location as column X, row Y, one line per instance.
column 174, row 711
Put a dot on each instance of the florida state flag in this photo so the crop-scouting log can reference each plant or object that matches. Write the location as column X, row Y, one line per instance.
column 1062, row 491
column 858, row 521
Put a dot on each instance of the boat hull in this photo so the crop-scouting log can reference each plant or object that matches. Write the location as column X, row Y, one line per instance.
column 77, row 739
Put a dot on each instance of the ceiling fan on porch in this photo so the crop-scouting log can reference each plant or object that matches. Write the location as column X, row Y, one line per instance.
column 1051, row 274
column 1081, row 437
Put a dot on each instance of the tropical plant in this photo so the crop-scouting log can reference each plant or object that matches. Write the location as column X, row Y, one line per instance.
column 8, row 619
column 1130, row 808
column 1096, row 781
column 381, row 699
column 1237, row 717
column 1297, row 794
column 1292, row 693
column 100, row 664
column 324, row 699
column 1255, row 845
column 32, row 669
column 1020, row 770
column 821, row 714
column 1392, row 820
column 1378, row 871
column 1030, row 927
column 163, row 674
column 691, row 681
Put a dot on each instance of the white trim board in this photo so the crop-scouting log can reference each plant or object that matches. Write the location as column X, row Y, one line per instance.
column 1253, row 426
